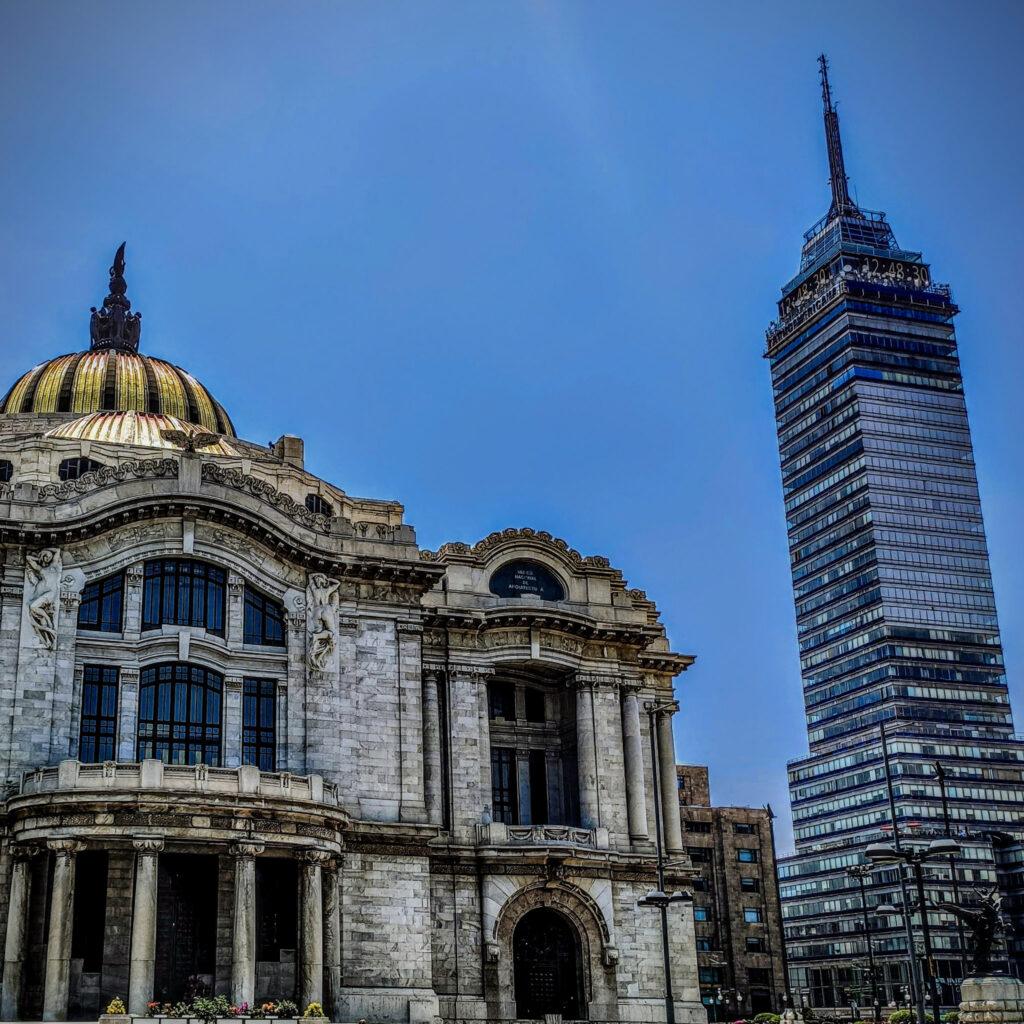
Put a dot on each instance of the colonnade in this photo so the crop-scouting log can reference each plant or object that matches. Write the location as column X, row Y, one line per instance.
column 592, row 723
column 319, row 926
column 587, row 734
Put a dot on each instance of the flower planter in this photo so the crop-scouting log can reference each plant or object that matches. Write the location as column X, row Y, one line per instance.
column 127, row 1018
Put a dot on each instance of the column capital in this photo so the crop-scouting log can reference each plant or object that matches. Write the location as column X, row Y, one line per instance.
column 470, row 673
column 69, row 847
column 247, row 848
column 630, row 685
column 594, row 680
column 148, row 844
column 661, row 708
column 320, row 857
column 24, row 851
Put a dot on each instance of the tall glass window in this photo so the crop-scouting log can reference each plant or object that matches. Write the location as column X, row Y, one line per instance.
column 264, row 619
column 180, row 714
column 101, row 605
column 504, row 791
column 182, row 592
column 97, row 732
column 259, row 724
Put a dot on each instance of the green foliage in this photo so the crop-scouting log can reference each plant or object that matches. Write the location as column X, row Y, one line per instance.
column 951, row 1017
column 207, row 1009
column 767, row 1018
column 910, row 1017
column 286, row 1008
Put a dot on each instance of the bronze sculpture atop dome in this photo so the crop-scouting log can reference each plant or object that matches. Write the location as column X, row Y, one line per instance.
column 114, row 325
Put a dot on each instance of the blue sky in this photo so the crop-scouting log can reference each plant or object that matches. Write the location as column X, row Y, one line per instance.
column 511, row 263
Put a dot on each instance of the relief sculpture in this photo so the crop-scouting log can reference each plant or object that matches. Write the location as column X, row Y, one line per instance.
column 42, row 586
column 322, row 617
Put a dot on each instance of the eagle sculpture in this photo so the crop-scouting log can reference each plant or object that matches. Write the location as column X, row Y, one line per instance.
column 190, row 442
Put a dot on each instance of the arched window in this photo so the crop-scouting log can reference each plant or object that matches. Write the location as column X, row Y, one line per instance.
column 72, row 469
column 317, row 504
column 182, row 592
column 180, row 714
column 101, row 605
column 264, row 619
column 6, row 471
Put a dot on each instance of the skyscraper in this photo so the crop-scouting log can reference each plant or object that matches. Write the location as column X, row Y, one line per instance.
column 896, row 618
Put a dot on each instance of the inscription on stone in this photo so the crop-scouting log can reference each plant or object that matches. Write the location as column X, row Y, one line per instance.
column 522, row 579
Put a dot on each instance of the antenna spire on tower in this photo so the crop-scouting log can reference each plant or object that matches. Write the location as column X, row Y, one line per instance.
column 842, row 204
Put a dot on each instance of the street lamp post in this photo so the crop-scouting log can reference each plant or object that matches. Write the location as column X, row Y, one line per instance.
column 940, row 774
column 883, row 853
column 861, row 872
column 658, row 897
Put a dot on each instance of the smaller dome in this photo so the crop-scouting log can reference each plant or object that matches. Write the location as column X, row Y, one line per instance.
column 144, row 430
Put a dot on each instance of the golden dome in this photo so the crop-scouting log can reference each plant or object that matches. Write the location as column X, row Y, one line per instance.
column 112, row 376
column 144, row 430
column 113, row 380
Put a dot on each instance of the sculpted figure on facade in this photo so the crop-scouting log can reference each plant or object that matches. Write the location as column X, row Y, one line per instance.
column 42, row 585
column 322, row 612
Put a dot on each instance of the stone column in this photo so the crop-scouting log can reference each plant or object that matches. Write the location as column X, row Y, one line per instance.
column 411, row 719
column 58, row 942
column 232, row 721
column 432, row 768
column 17, row 922
column 669, row 785
column 586, row 754
column 243, row 949
column 633, row 749
column 331, row 881
column 311, row 930
column 143, row 956
column 128, row 714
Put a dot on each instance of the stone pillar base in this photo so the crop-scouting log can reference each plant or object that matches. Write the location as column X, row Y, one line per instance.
column 992, row 1000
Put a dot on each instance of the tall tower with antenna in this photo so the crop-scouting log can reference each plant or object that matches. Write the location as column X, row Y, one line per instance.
column 895, row 613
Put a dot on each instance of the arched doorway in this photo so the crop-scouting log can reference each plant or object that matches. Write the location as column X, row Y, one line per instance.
column 548, row 966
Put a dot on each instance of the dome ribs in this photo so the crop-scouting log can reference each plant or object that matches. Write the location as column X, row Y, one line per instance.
column 64, row 394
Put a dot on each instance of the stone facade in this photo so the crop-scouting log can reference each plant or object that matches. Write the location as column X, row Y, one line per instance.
column 257, row 742
column 740, row 948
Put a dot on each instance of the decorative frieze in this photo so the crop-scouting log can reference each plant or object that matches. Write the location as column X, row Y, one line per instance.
column 264, row 491
column 133, row 469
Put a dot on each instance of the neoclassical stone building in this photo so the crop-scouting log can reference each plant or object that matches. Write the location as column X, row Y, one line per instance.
column 255, row 740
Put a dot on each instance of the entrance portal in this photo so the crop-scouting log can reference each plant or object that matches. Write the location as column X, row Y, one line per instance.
column 186, row 931
column 548, row 966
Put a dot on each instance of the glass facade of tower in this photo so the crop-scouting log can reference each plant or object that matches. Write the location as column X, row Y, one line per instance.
column 895, row 612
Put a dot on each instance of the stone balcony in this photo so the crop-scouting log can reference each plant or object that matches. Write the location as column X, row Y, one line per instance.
column 497, row 833
column 197, row 807
column 198, row 779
